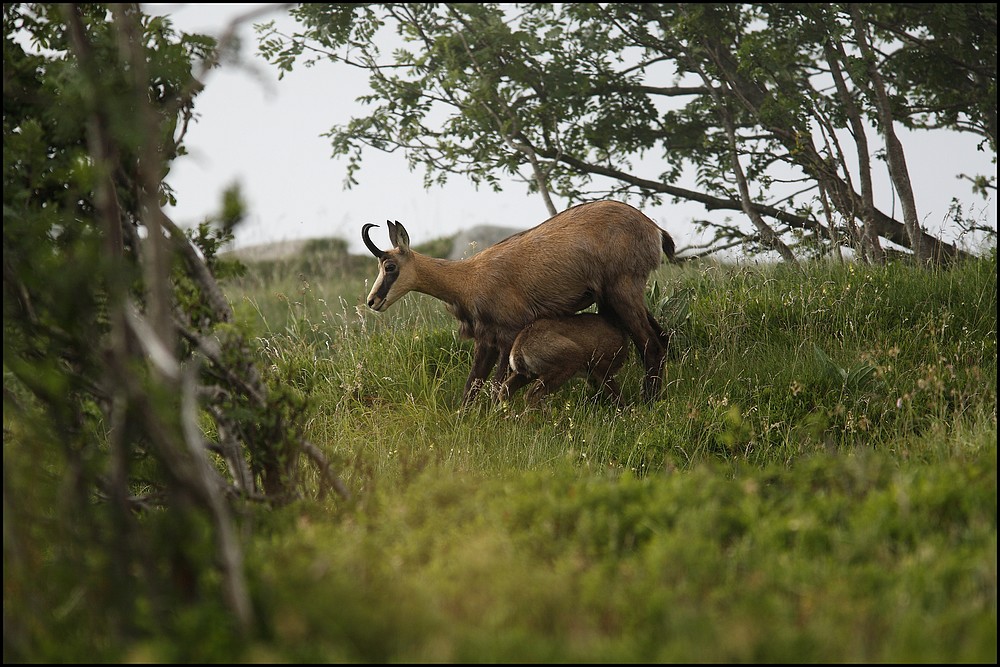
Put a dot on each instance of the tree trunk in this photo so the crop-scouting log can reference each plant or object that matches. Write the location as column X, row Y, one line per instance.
column 893, row 148
column 871, row 248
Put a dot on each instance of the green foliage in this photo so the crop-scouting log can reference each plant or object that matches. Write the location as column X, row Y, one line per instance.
column 117, row 349
column 838, row 558
column 587, row 101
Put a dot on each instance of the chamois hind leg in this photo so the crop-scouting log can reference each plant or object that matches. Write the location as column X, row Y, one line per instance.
column 601, row 376
column 533, row 396
column 653, row 357
column 608, row 387
column 511, row 385
column 665, row 336
column 546, row 385
column 626, row 304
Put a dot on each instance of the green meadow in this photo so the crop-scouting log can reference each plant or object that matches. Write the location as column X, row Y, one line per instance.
column 817, row 484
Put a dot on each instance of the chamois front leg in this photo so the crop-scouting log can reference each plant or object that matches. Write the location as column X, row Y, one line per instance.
column 484, row 358
column 503, row 365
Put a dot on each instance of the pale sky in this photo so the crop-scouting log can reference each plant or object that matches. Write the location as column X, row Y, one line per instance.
column 266, row 135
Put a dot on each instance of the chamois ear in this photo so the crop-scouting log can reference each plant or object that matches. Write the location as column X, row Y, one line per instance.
column 398, row 236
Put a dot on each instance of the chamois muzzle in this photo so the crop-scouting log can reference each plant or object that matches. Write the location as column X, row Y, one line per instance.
column 372, row 248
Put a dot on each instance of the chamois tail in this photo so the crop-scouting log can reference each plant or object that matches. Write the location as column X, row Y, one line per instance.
column 667, row 243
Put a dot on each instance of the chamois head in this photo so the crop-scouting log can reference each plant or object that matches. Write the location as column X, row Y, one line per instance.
column 393, row 279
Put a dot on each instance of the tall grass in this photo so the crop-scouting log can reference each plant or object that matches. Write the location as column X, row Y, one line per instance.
column 817, row 484
column 767, row 364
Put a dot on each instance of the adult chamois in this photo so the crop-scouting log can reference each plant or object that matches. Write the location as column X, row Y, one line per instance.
column 601, row 252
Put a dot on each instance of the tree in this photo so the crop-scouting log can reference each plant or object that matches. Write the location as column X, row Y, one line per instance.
column 135, row 419
column 578, row 100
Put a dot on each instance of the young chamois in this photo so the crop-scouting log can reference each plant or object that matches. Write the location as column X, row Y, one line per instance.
column 549, row 352
column 600, row 252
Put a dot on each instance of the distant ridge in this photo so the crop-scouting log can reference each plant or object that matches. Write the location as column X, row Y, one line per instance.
column 269, row 251
column 470, row 241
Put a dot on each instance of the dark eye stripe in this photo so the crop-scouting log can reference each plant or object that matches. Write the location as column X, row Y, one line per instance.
column 387, row 280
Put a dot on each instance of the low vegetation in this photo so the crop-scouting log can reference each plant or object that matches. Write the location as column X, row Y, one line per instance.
column 818, row 484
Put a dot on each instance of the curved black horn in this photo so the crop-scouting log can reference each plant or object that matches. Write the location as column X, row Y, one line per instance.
column 368, row 242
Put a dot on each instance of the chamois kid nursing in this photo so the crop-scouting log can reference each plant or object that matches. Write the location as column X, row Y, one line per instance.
column 551, row 351
column 600, row 252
